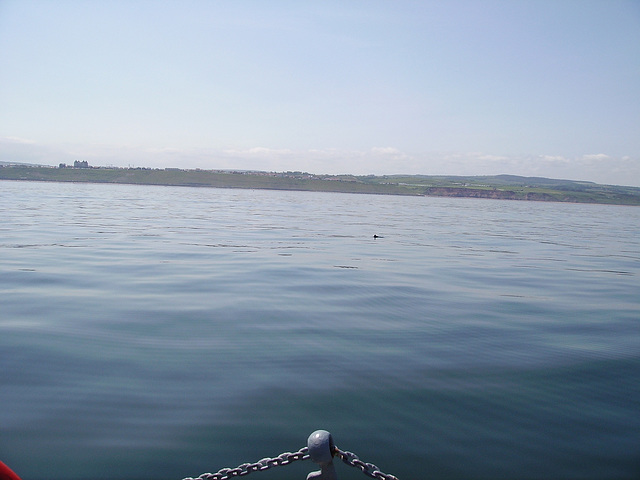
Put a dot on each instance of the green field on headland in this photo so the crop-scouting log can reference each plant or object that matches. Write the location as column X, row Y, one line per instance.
column 507, row 187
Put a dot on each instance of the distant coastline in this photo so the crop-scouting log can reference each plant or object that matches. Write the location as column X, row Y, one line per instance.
column 505, row 187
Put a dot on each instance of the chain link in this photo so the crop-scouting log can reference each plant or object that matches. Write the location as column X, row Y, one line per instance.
column 368, row 469
column 286, row 458
column 246, row 468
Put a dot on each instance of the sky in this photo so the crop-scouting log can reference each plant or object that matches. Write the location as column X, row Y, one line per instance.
column 525, row 87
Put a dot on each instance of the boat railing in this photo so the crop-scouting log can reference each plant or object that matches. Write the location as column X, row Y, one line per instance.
column 320, row 449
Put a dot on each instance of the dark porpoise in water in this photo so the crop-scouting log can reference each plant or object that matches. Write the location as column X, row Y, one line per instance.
column 377, row 236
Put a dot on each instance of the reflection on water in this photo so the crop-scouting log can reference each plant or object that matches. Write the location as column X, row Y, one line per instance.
column 160, row 332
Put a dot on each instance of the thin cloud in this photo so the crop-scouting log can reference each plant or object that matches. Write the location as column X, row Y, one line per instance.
column 385, row 151
column 14, row 140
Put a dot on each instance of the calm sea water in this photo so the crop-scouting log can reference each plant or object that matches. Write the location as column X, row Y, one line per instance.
column 160, row 332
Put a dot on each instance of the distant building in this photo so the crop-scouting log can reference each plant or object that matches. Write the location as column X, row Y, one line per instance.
column 80, row 164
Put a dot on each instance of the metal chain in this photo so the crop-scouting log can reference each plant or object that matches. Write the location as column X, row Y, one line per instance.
column 286, row 458
column 368, row 469
column 246, row 468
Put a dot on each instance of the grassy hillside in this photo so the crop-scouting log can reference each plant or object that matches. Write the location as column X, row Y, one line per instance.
column 498, row 187
column 518, row 188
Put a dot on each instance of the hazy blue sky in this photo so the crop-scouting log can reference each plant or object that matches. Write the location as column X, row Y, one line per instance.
column 548, row 88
